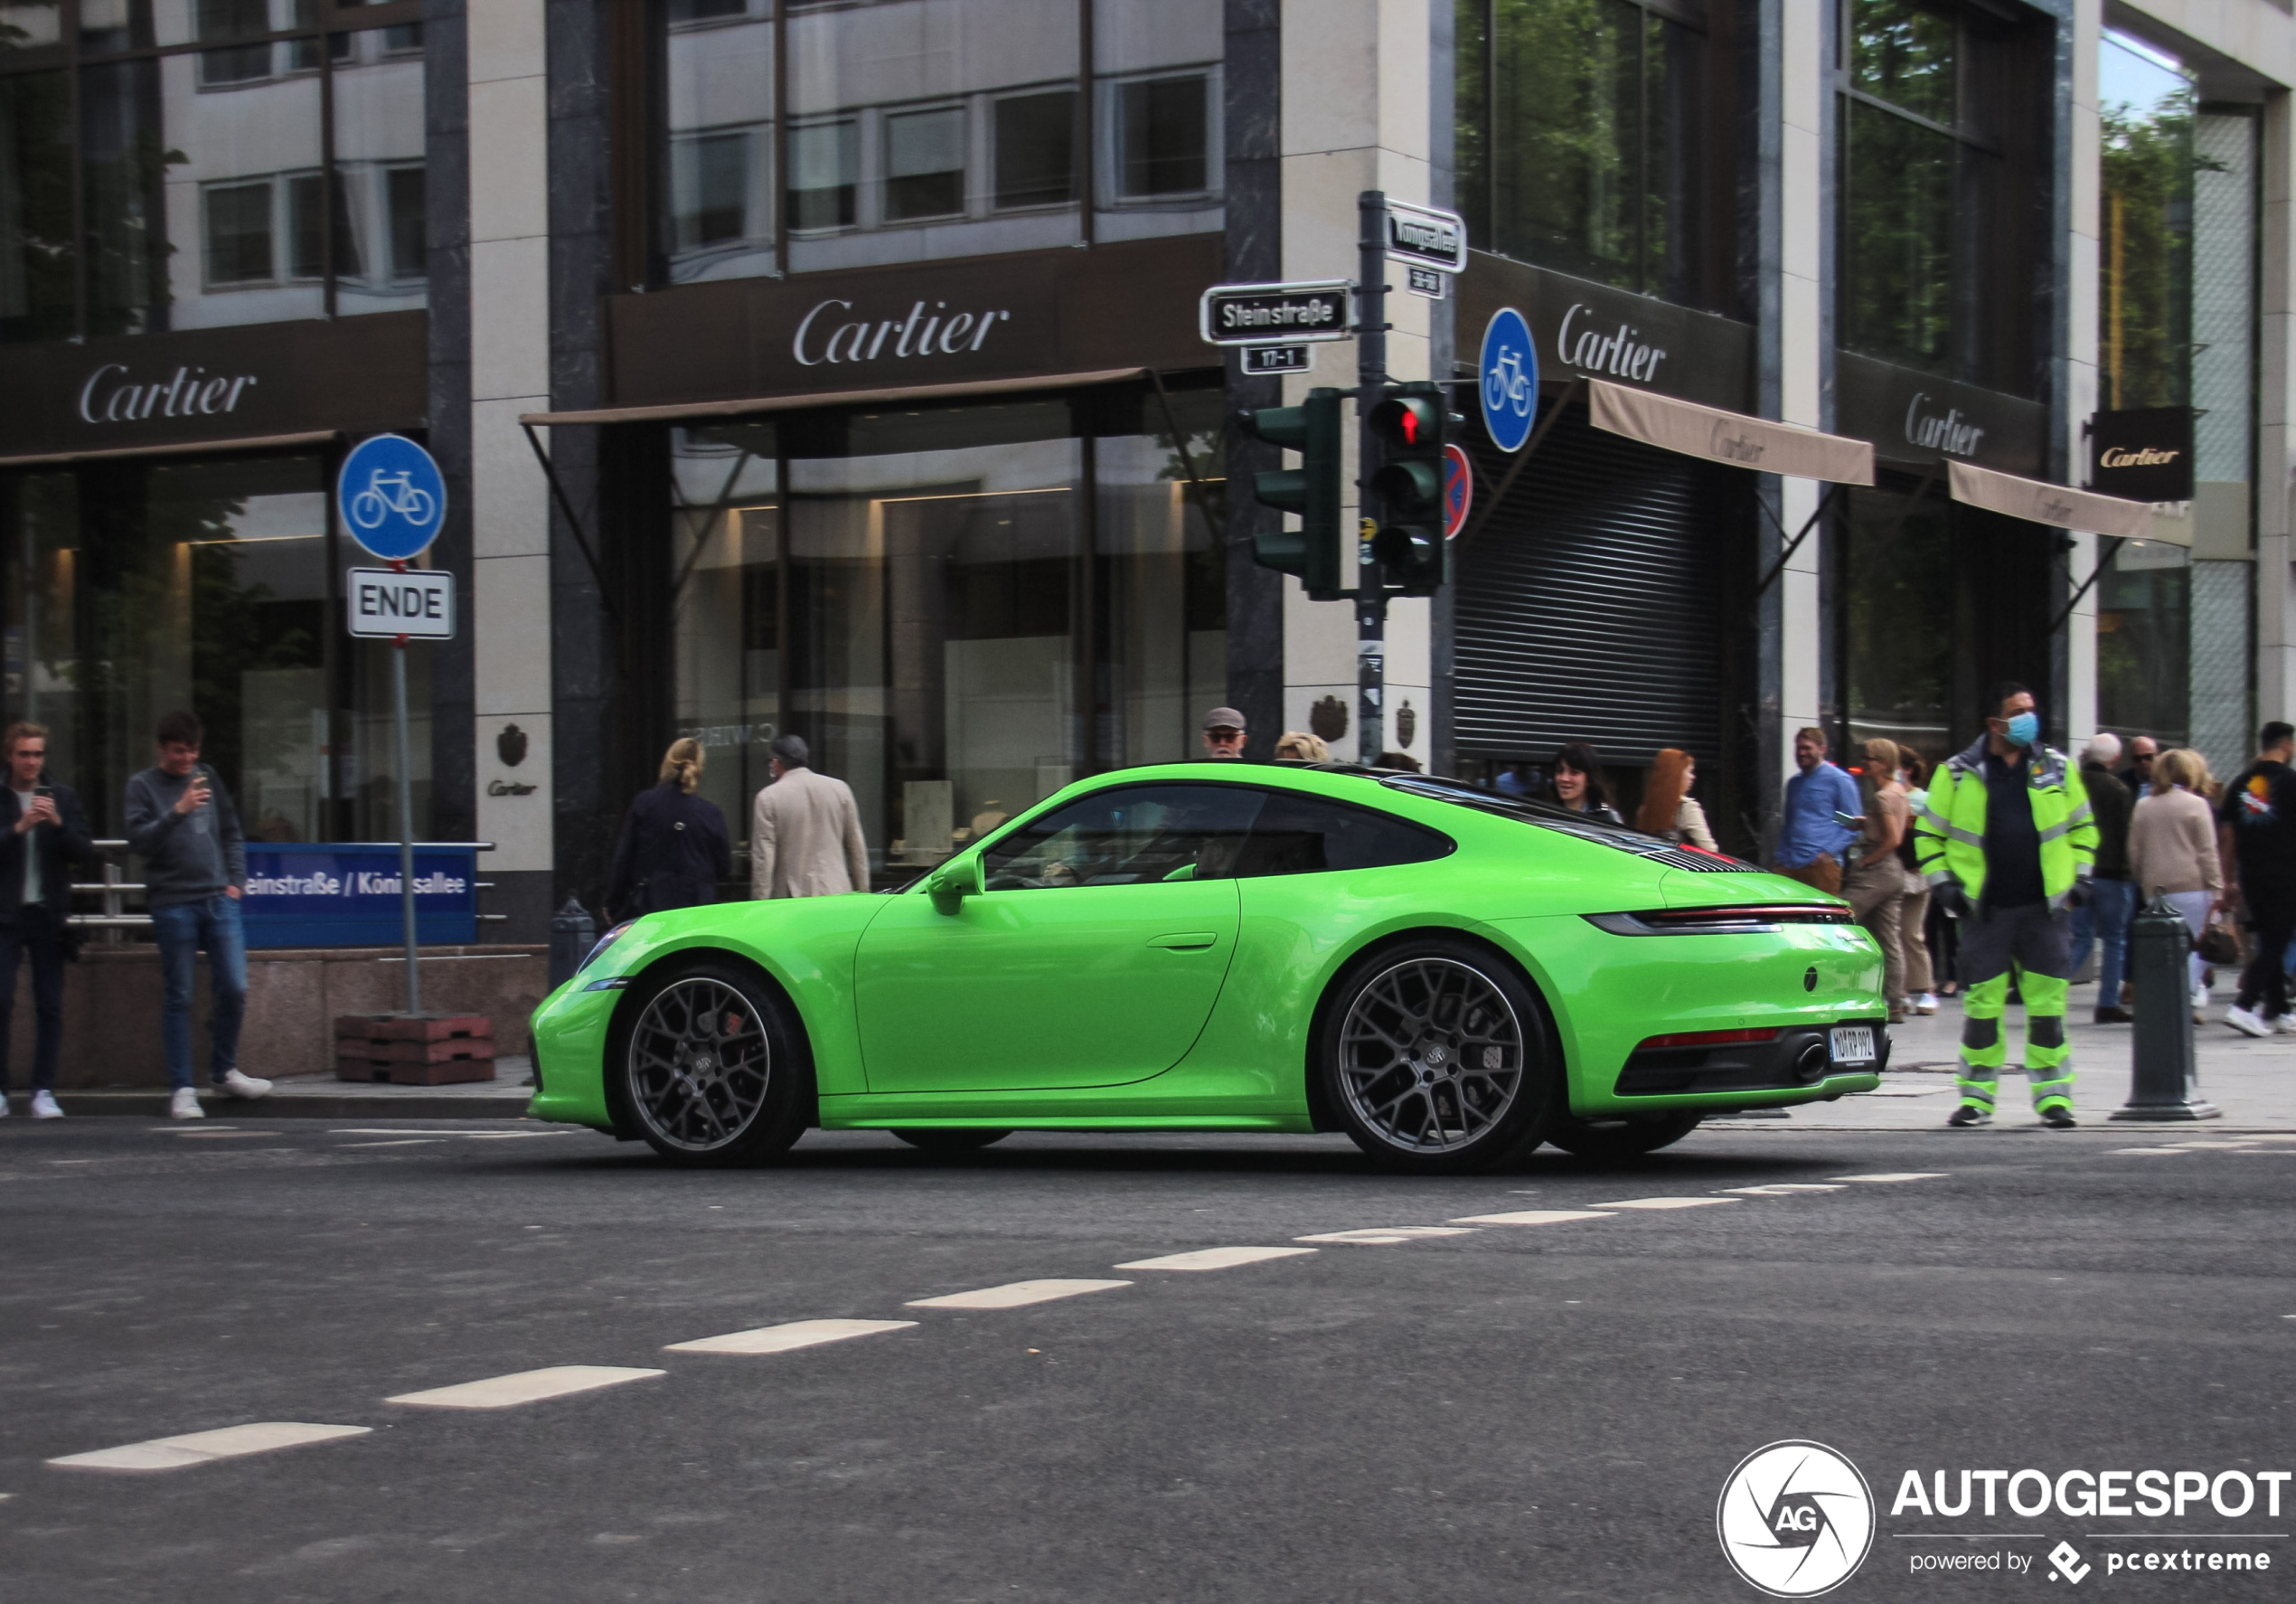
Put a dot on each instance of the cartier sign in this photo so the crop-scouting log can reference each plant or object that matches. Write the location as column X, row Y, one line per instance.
column 1921, row 420
column 2144, row 454
column 1589, row 330
column 114, row 395
column 841, row 338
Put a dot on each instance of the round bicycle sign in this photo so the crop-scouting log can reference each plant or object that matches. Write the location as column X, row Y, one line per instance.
column 1510, row 388
column 1458, row 490
column 391, row 496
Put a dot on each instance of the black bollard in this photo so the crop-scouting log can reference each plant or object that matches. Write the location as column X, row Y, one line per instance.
column 573, row 932
column 2163, row 1085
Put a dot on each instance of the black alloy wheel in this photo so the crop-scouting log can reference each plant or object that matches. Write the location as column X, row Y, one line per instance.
column 1628, row 1138
column 1435, row 1055
column 713, row 1070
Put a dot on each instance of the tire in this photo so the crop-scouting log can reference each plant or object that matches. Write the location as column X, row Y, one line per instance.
column 1629, row 1137
column 1435, row 1056
column 932, row 1138
column 713, row 1068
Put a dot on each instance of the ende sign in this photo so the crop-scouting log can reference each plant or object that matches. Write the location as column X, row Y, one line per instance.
column 386, row 603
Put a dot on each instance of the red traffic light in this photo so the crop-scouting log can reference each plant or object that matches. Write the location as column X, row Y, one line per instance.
column 1413, row 422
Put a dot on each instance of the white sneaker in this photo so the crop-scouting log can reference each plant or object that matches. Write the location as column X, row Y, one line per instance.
column 238, row 1085
column 2200, row 996
column 184, row 1104
column 2246, row 1022
column 1926, row 1003
column 2284, row 1024
column 44, row 1106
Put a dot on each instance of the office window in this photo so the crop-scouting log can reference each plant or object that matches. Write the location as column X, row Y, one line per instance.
column 1163, row 140
column 1036, row 145
column 825, row 176
column 925, row 163
column 238, row 233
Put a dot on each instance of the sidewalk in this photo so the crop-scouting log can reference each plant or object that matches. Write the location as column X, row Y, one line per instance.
column 2253, row 1079
column 323, row 1096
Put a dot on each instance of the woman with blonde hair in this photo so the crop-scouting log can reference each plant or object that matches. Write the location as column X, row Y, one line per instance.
column 1667, row 807
column 1876, row 883
column 2172, row 848
column 674, row 851
column 1298, row 746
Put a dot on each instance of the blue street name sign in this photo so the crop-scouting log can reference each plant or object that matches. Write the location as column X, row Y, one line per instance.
column 346, row 894
column 391, row 496
column 1509, row 387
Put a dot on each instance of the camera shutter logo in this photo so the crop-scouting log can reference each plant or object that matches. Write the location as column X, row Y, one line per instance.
column 1796, row 1519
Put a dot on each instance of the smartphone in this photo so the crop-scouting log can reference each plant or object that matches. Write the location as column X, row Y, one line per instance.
column 1847, row 821
column 43, row 790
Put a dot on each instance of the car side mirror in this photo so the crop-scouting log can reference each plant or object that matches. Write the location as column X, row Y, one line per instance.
column 951, row 882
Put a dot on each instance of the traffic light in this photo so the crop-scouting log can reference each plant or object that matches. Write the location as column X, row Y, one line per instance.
column 1410, row 424
column 1311, row 552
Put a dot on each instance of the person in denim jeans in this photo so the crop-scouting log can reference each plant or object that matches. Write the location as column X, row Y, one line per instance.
column 181, row 823
column 2112, row 895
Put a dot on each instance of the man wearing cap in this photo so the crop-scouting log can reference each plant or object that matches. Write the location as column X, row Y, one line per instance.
column 1223, row 734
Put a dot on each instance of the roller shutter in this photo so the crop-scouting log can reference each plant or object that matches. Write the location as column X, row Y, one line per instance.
column 1590, row 605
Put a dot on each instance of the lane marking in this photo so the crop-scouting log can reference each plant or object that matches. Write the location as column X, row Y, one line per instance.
column 1384, row 1234
column 1214, row 1258
column 179, row 1130
column 1779, row 1189
column 1667, row 1202
column 782, row 1339
column 189, row 1135
column 1891, row 1180
column 403, row 1142
column 204, row 1447
column 1532, row 1217
column 2211, row 1146
column 525, row 1386
column 2179, row 1152
column 1013, row 1294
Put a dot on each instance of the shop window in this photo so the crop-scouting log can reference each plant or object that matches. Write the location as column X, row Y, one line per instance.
column 925, row 163
column 1036, row 143
column 824, row 174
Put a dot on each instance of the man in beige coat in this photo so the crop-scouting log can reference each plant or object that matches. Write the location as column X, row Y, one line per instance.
column 805, row 833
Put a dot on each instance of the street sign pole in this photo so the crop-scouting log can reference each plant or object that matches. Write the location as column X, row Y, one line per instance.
column 406, row 819
column 1371, row 377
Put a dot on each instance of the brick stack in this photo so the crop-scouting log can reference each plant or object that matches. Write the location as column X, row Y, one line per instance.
column 427, row 1050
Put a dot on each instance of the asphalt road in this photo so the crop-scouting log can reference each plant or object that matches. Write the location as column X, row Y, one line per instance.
column 1523, row 1411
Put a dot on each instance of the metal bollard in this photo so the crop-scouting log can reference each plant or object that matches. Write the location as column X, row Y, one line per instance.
column 573, row 932
column 2163, row 1085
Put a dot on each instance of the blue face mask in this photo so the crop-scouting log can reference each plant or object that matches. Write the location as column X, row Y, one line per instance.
column 2024, row 729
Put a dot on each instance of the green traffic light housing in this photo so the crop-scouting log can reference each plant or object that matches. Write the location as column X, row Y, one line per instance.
column 1411, row 424
column 1309, row 553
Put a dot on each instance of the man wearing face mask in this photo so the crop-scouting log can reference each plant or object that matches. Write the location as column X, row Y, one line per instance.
column 2007, row 842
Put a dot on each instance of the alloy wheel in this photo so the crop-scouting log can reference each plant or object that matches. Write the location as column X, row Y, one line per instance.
column 699, row 1064
column 1431, row 1055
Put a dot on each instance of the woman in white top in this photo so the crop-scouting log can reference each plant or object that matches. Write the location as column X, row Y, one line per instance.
column 1667, row 807
column 2172, row 847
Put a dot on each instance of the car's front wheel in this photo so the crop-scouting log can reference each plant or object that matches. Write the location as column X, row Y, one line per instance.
column 1434, row 1056
column 713, row 1068
column 1622, row 1139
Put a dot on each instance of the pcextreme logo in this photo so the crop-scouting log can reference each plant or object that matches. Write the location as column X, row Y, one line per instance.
column 1796, row 1519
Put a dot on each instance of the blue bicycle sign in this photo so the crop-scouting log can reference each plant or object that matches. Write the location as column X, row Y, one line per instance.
column 392, row 496
column 1510, row 390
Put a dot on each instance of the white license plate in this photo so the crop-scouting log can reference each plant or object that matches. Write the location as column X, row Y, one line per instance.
column 1853, row 1045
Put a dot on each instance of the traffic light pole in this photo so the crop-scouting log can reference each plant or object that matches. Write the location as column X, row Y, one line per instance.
column 1371, row 377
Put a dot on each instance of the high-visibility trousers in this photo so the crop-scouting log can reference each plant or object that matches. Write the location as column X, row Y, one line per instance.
column 2035, row 945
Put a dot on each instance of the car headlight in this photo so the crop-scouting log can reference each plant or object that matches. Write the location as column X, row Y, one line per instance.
column 605, row 942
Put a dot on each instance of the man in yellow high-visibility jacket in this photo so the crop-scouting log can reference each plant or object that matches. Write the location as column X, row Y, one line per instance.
column 2006, row 841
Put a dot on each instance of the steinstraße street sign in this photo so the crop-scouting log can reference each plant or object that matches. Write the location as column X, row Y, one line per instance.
column 1426, row 237
column 1508, row 386
column 1277, row 314
column 386, row 603
column 391, row 496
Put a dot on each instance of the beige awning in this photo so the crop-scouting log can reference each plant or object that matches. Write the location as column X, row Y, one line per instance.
column 259, row 442
column 2040, row 501
column 899, row 395
column 1730, row 438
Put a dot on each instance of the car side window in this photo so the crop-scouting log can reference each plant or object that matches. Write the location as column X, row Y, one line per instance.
column 1302, row 834
column 1128, row 836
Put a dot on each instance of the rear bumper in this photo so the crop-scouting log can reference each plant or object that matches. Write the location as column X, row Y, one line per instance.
column 1796, row 1060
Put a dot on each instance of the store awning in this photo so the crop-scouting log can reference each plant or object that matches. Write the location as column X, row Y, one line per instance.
column 2036, row 501
column 1732, row 439
column 261, row 443
column 902, row 395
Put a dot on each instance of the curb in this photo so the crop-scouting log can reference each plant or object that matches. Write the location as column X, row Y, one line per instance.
column 347, row 1105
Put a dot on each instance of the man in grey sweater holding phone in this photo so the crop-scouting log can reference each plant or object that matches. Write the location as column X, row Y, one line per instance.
column 181, row 823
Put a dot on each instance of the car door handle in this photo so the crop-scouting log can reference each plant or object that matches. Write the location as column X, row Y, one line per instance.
column 1187, row 941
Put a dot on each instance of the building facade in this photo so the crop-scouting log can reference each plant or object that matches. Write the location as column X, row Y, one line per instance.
column 829, row 367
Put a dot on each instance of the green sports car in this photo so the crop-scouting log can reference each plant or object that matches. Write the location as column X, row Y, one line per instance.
column 1450, row 977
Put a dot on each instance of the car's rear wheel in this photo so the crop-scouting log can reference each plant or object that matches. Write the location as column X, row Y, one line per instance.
column 948, row 1139
column 1435, row 1057
column 714, row 1069
column 1629, row 1137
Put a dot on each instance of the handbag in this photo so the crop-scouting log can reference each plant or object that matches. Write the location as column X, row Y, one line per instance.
column 2217, row 946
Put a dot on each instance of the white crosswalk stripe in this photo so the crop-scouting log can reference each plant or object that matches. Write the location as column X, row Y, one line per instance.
column 1214, row 1258
column 1891, row 1180
column 782, row 1339
column 1532, row 1217
column 1382, row 1235
column 1014, row 1295
column 204, row 1447
column 1780, row 1189
column 1667, row 1202
column 524, row 1386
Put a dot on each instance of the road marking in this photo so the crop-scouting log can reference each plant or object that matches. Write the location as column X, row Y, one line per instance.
column 1532, row 1217
column 204, row 1447
column 525, row 1386
column 1387, row 1233
column 1892, row 1179
column 1013, row 1294
column 1214, row 1258
column 1780, row 1189
column 1667, row 1202
column 2211, row 1146
column 403, row 1142
column 2180, row 1152
column 781, row 1339
column 178, row 1130
column 187, row 1135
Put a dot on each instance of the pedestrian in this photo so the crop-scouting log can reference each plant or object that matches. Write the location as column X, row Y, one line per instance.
column 1402, row 761
column 674, row 851
column 2112, row 895
column 2007, row 839
column 2137, row 772
column 2172, row 853
column 1812, row 838
column 1667, row 807
column 181, row 823
column 1516, row 779
column 805, row 833
column 1298, row 746
column 45, row 831
column 2257, row 825
column 1575, row 781
column 1876, row 881
column 1223, row 734
column 1913, row 909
